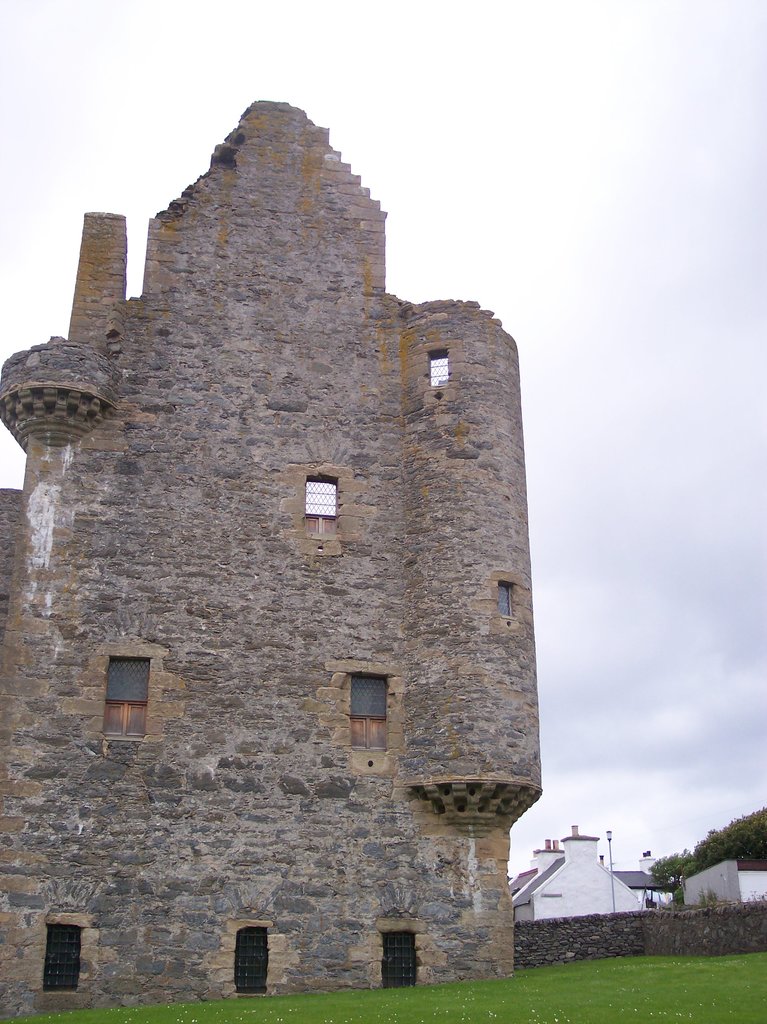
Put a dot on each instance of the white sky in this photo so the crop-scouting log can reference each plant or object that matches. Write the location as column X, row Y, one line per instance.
column 595, row 173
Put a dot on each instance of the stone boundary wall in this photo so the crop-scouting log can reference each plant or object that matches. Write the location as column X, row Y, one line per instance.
column 708, row 931
column 559, row 940
column 711, row 931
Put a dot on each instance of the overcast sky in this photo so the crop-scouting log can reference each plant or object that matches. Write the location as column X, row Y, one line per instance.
column 596, row 174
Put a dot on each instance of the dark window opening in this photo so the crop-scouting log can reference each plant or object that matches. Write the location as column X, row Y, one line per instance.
column 506, row 599
column 321, row 506
column 62, row 956
column 127, row 693
column 251, row 960
column 367, row 712
column 398, row 967
column 439, row 369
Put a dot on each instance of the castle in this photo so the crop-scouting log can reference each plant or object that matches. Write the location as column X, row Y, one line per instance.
column 268, row 662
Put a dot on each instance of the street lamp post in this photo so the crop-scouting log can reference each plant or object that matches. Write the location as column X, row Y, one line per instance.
column 612, row 880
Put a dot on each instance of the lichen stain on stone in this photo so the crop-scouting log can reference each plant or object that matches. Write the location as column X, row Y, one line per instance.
column 472, row 872
column 41, row 515
column 405, row 341
column 311, row 170
column 461, row 431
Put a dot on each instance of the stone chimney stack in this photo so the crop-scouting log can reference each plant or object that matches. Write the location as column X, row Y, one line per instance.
column 101, row 279
column 646, row 861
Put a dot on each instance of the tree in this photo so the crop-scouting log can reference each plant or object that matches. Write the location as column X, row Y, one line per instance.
column 671, row 871
column 743, row 839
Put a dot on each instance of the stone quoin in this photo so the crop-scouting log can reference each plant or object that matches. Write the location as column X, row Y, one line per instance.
column 268, row 662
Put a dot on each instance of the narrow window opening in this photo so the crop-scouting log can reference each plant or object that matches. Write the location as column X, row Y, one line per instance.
column 506, row 599
column 62, row 957
column 398, row 966
column 251, row 960
column 321, row 506
column 439, row 369
column 126, row 701
column 368, row 712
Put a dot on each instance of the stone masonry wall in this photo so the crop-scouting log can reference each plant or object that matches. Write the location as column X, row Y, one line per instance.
column 264, row 351
column 562, row 939
column 10, row 511
column 713, row 931
column 708, row 931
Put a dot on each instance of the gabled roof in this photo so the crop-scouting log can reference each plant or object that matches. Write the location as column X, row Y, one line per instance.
column 535, row 883
column 638, row 880
column 522, row 879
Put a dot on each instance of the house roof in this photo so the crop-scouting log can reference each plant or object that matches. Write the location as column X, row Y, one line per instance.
column 638, row 880
column 522, row 879
column 740, row 865
column 535, row 883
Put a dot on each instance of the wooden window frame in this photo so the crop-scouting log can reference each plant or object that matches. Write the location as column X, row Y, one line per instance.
column 368, row 732
column 318, row 524
column 131, row 715
column 126, row 719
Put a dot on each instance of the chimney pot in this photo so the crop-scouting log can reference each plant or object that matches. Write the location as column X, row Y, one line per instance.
column 548, row 844
column 647, row 853
column 574, row 830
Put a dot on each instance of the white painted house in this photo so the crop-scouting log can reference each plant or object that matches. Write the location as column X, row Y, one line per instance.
column 734, row 881
column 568, row 880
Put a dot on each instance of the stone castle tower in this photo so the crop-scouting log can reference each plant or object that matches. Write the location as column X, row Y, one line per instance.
column 268, row 664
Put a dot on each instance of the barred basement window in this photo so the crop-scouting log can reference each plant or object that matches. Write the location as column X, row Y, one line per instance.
column 367, row 712
column 506, row 599
column 321, row 505
column 398, row 966
column 439, row 369
column 127, row 692
column 251, row 960
column 62, row 957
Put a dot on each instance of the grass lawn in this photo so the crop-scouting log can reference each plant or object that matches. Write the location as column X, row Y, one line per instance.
column 641, row 990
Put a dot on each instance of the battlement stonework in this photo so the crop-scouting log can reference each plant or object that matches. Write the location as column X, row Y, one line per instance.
column 259, row 736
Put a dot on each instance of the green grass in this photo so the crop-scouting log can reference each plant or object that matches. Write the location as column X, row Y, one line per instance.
column 640, row 990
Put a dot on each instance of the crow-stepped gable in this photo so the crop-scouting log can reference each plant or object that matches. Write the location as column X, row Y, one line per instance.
column 268, row 662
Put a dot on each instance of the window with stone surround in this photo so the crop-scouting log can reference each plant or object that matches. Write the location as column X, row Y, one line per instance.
column 321, row 505
column 367, row 712
column 439, row 368
column 126, row 699
column 506, row 599
column 251, row 960
column 62, row 957
column 398, row 964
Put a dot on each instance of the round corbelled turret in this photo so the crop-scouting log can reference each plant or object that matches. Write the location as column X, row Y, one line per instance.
column 478, row 805
column 472, row 743
column 56, row 392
